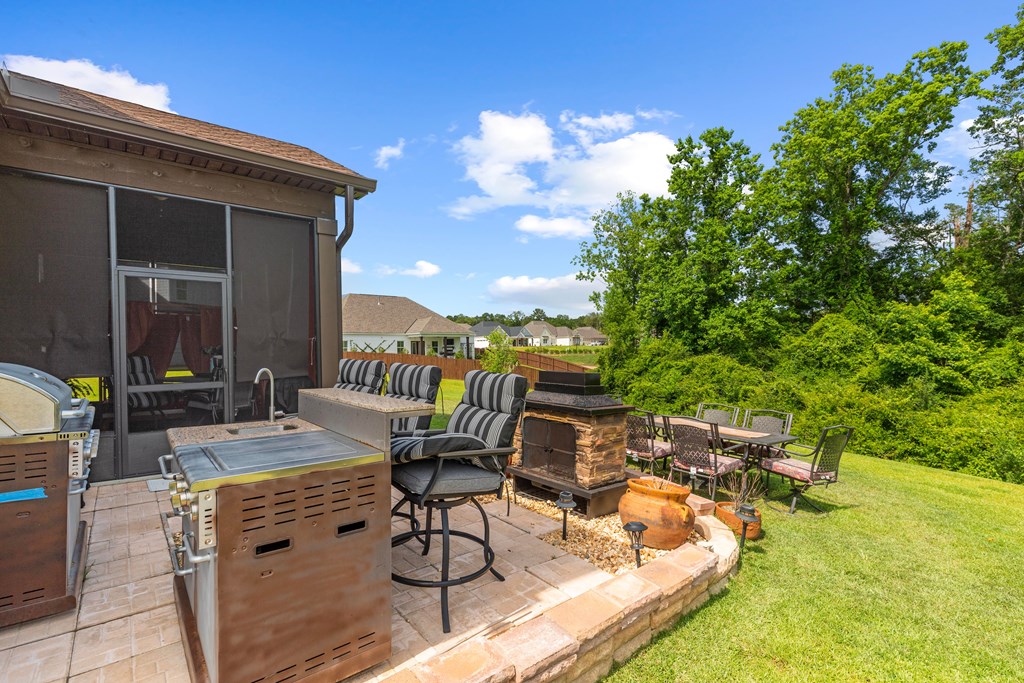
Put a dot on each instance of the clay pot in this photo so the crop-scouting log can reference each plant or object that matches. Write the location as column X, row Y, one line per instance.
column 724, row 512
column 661, row 505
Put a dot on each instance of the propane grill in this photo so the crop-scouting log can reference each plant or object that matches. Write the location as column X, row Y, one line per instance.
column 283, row 555
column 46, row 445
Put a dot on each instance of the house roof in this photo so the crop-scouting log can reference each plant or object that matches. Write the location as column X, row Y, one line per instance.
column 381, row 314
column 562, row 332
column 539, row 328
column 485, row 327
column 589, row 333
column 35, row 106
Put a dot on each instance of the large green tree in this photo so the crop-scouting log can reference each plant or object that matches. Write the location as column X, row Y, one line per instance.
column 854, row 182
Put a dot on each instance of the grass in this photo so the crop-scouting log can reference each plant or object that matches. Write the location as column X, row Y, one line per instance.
column 915, row 574
column 447, row 398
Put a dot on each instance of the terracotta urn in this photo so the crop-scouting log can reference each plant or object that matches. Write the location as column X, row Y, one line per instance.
column 661, row 505
column 725, row 513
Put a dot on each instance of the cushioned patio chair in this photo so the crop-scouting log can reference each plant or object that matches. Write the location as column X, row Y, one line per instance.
column 719, row 413
column 417, row 383
column 819, row 467
column 140, row 373
column 697, row 451
column 640, row 441
column 443, row 469
column 366, row 376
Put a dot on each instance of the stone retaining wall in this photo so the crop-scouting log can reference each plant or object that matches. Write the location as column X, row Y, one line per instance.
column 580, row 639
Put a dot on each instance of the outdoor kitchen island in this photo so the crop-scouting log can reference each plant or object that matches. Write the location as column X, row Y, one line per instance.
column 284, row 555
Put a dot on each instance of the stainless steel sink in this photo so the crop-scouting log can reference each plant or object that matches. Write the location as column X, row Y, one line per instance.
column 257, row 431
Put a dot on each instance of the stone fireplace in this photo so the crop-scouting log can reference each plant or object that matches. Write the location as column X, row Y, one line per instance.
column 572, row 438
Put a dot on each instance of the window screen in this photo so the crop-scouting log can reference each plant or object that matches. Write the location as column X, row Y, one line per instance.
column 272, row 296
column 54, row 276
column 170, row 231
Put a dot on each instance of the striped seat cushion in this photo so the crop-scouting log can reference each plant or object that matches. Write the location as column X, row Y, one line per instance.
column 366, row 376
column 417, row 383
column 140, row 372
column 409, row 448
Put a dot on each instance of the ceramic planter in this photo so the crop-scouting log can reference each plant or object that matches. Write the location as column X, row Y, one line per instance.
column 661, row 505
column 725, row 513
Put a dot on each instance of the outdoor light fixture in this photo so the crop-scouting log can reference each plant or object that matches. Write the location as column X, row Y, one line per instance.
column 565, row 503
column 636, row 537
column 748, row 515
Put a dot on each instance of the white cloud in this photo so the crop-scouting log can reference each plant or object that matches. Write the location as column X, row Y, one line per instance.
column 421, row 269
column 956, row 143
column 515, row 160
column 496, row 160
column 388, row 152
column 564, row 292
column 586, row 129
column 569, row 227
column 349, row 266
column 656, row 114
column 83, row 74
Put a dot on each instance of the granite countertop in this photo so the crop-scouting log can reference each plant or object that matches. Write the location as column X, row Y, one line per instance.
column 394, row 407
column 186, row 436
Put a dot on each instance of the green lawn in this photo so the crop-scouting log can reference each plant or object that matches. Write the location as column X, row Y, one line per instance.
column 915, row 575
column 447, row 398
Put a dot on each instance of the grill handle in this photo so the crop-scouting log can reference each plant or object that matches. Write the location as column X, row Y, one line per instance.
column 164, row 471
column 79, row 484
column 186, row 549
column 79, row 407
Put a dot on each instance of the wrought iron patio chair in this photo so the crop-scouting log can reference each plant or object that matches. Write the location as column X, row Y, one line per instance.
column 417, row 383
column 445, row 468
column 770, row 421
column 821, row 469
column 719, row 413
column 641, row 441
column 697, row 451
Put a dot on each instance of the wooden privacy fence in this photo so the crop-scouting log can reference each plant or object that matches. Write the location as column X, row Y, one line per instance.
column 456, row 368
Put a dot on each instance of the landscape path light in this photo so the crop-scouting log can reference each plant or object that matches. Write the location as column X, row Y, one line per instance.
column 748, row 515
column 565, row 503
column 636, row 537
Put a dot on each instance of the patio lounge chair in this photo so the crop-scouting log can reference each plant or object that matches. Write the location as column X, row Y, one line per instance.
column 697, row 450
column 366, row 376
column 719, row 414
column 443, row 469
column 823, row 468
column 417, row 383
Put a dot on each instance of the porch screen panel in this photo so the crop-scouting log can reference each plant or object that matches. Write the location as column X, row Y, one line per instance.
column 154, row 230
column 272, row 288
column 54, row 276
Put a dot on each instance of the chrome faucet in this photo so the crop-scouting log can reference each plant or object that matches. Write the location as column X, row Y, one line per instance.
column 257, row 381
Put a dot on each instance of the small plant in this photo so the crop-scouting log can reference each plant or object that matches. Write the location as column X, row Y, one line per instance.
column 501, row 356
column 740, row 488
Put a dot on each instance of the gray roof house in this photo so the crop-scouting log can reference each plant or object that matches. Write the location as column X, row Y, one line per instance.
column 396, row 324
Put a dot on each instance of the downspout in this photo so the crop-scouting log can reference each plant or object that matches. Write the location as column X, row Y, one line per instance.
column 339, row 243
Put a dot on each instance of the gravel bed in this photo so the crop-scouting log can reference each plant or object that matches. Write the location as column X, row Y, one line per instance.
column 600, row 541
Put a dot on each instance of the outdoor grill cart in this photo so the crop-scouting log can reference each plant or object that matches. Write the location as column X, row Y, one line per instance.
column 283, row 557
column 46, row 444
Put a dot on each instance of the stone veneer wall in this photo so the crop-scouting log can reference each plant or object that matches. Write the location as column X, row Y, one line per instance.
column 580, row 639
column 600, row 445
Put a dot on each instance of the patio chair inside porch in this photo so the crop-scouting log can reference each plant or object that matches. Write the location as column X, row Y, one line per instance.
column 819, row 467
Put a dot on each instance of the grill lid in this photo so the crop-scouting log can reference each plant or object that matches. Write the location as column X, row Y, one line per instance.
column 224, row 463
column 34, row 402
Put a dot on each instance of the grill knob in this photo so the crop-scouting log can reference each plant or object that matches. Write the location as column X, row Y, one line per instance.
column 182, row 499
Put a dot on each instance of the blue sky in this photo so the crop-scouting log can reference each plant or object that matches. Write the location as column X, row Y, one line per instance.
column 494, row 129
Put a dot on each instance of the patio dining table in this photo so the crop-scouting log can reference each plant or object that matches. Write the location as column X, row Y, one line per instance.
column 755, row 443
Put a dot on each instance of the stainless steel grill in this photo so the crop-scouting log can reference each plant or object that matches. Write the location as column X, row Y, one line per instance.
column 283, row 555
column 46, row 445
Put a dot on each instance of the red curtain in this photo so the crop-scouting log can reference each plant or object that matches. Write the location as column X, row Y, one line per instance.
column 160, row 342
column 138, row 321
column 197, row 331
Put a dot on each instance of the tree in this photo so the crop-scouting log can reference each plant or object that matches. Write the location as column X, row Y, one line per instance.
column 852, row 173
column 538, row 314
column 500, row 355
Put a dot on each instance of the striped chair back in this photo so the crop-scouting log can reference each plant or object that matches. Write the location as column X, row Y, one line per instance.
column 140, row 372
column 366, row 376
column 417, row 383
column 490, row 410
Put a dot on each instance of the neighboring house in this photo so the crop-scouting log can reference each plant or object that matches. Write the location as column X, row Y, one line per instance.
column 541, row 333
column 588, row 336
column 563, row 336
column 395, row 324
column 483, row 329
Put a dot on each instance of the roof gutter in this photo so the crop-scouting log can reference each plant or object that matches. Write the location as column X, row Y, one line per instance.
column 343, row 237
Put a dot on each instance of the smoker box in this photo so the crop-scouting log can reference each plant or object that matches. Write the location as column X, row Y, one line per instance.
column 289, row 575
